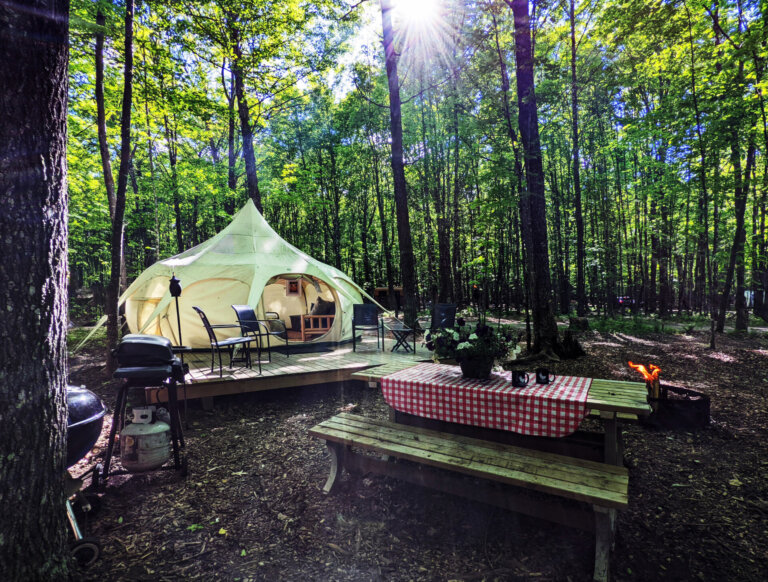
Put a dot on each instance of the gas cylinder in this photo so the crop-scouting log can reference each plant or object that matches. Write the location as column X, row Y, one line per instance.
column 144, row 445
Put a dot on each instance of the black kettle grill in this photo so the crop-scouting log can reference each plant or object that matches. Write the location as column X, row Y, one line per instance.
column 85, row 417
column 144, row 361
column 84, row 422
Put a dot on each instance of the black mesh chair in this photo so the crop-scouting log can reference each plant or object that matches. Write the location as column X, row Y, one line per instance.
column 276, row 328
column 252, row 326
column 365, row 316
column 228, row 344
column 443, row 315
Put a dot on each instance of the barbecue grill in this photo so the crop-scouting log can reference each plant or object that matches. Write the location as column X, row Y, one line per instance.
column 85, row 417
column 144, row 361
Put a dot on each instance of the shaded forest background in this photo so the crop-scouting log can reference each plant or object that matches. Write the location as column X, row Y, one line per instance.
column 652, row 119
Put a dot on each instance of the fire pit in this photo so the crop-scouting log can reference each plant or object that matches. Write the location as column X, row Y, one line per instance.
column 673, row 407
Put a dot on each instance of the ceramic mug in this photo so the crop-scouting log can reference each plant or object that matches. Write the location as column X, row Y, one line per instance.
column 543, row 376
column 519, row 378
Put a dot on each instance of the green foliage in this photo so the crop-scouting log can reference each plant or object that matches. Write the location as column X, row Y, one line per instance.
column 661, row 93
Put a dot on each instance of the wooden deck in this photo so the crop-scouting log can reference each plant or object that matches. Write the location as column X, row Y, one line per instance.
column 306, row 369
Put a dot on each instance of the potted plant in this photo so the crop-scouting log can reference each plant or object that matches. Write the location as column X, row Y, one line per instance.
column 474, row 349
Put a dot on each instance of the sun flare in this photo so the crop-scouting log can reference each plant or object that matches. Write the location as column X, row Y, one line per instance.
column 417, row 12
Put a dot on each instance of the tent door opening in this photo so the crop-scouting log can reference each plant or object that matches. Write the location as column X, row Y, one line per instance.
column 306, row 304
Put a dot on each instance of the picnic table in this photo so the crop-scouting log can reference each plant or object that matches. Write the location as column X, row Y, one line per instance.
column 546, row 412
column 556, row 486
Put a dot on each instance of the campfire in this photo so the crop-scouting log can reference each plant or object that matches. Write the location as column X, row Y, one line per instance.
column 651, row 378
column 673, row 407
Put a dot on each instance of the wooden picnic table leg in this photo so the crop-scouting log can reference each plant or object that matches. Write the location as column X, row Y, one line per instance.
column 612, row 448
column 337, row 465
column 605, row 524
column 342, row 458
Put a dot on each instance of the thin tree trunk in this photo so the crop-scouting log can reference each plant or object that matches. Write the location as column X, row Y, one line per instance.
column 365, row 227
column 383, row 224
column 742, row 313
column 740, row 204
column 118, row 226
column 407, row 261
column 33, row 289
column 170, row 139
column 150, row 156
column 457, row 177
column 324, row 207
column 458, row 293
column 229, row 93
column 700, row 277
column 581, row 297
column 336, row 214
column 246, row 130
column 101, row 118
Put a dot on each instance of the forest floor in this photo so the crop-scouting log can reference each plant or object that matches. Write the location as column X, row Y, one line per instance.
column 252, row 506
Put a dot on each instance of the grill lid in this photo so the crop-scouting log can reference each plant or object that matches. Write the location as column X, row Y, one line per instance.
column 140, row 350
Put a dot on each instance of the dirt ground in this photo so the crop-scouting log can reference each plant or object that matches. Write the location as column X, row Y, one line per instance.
column 252, row 506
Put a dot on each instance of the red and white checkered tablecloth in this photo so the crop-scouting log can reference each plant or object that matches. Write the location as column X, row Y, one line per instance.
column 440, row 392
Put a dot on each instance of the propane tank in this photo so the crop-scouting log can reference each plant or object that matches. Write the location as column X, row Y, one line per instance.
column 144, row 445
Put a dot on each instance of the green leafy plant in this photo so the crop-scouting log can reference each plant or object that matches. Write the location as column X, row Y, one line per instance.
column 464, row 342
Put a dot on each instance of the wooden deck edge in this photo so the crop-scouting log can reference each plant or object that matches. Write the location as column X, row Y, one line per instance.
column 227, row 387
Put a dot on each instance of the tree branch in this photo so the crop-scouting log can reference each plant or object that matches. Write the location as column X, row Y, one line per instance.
column 351, row 10
column 716, row 22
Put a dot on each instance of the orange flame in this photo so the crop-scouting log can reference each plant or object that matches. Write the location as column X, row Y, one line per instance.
column 649, row 376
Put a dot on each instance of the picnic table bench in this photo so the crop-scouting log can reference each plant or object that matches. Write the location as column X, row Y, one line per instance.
column 570, row 491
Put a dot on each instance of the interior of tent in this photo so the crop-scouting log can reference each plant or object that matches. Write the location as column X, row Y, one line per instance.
column 305, row 304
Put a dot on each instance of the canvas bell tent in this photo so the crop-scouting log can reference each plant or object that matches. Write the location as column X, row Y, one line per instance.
column 247, row 263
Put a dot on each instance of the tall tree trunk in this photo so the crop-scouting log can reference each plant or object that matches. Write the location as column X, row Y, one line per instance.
column 457, row 176
column 456, row 264
column 430, row 285
column 246, row 130
column 118, row 227
column 742, row 313
column 741, row 183
column 700, row 277
column 33, row 288
column 366, row 220
column 761, row 252
column 336, row 214
column 665, row 240
column 560, row 284
column 151, row 158
column 407, row 261
column 581, row 296
column 229, row 93
column 170, row 140
column 545, row 337
column 383, row 224
column 760, row 265
column 101, row 118
column 326, row 223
